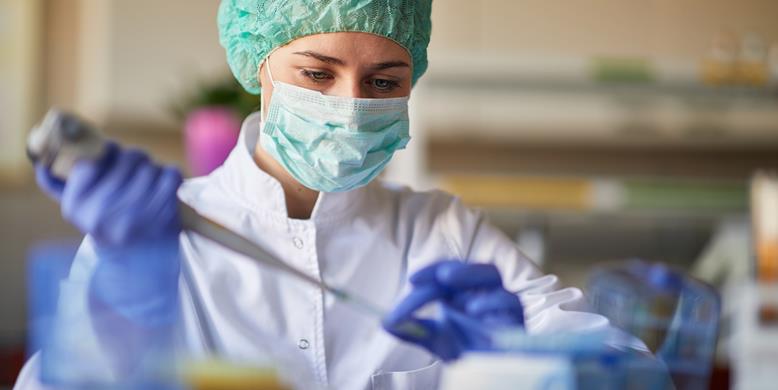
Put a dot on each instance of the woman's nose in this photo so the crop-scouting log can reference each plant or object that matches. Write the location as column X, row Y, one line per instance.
column 349, row 88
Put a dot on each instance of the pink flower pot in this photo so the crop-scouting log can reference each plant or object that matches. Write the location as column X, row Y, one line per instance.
column 210, row 133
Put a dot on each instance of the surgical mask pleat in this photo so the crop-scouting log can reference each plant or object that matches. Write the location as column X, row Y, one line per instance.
column 333, row 143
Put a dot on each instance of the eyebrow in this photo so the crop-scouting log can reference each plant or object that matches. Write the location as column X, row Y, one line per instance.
column 337, row 61
column 321, row 57
column 390, row 64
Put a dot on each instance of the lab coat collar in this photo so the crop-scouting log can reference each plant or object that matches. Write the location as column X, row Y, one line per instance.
column 242, row 178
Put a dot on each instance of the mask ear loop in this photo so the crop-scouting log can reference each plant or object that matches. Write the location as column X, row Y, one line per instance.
column 262, row 106
column 269, row 71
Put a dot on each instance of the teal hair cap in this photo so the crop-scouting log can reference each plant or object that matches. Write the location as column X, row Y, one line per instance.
column 250, row 29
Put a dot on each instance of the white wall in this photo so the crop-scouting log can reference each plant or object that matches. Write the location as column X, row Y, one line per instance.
column 136, row 55
column 19, row 80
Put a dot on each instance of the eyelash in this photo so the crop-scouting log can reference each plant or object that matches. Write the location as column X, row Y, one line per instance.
column 391, row 85
column 320, row 77
column 315, row 75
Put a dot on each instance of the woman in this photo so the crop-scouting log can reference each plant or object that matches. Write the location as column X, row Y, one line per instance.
column 335, row 77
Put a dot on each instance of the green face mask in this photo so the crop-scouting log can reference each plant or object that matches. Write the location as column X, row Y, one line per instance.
column 332, row 143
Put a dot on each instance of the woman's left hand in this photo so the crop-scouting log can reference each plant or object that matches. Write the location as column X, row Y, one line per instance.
column 474, row 304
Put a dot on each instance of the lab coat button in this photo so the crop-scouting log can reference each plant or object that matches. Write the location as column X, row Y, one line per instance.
column 303, row 344
column 298, row 242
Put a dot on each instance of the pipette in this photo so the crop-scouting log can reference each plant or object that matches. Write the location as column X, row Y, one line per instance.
column 62, row 138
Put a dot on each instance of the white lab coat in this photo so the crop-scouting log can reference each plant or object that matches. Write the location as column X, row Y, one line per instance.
column 368, row 240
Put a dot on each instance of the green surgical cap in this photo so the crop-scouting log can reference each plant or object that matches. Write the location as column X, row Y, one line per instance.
column 250, row 29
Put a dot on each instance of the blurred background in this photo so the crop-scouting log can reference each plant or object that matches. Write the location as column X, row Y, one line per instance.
column 589, row 131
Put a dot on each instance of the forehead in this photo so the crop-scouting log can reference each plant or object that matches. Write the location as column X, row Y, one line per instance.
column 350, row 46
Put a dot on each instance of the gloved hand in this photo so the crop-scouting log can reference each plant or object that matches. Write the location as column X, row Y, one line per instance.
column 474, row 304
column 129, row 208
column 120, row 199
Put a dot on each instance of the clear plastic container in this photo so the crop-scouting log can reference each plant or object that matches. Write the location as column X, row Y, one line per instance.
column 676, row 316
column 566, row 361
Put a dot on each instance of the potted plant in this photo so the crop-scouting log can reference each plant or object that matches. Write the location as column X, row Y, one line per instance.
column 212, row 114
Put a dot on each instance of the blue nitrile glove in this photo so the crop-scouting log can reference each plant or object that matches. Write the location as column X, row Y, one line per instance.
column 127, row 204
column 474, row 304
column 120, row 199
column 128, row 207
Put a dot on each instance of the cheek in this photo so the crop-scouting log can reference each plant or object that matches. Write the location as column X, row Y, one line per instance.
column 402, row 91
column 406, row 90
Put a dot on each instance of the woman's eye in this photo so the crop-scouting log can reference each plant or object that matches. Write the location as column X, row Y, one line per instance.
column 384, row 84
column 316, row 76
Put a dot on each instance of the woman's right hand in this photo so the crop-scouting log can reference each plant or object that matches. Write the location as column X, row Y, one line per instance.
column 120, row 199
column 128, row 207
